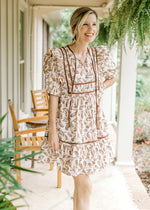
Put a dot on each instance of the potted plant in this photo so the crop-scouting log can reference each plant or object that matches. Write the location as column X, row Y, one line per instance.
column 9, row 187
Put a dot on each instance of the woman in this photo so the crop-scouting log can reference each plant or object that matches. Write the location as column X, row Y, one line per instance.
column 76, row 137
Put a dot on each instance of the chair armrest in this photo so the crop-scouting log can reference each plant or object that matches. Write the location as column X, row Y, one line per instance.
column 35, row 130
column 33, row 119
column 39, row 110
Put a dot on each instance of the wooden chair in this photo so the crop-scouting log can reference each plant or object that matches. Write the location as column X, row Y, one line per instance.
column 32, row 143
column 40, row 105
column 40, row 102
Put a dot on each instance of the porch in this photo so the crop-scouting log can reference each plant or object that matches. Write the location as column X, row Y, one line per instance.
column 126, row 190
column 24, row 40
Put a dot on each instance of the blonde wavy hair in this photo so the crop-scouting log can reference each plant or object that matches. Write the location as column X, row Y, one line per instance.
column 78, row 18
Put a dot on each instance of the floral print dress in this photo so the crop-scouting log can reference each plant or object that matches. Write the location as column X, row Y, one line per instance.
column 85, row 146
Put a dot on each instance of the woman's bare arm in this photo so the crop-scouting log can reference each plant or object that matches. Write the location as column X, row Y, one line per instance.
column 110, row 82
column 53, row 139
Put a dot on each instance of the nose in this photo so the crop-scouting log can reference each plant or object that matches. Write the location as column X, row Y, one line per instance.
column 90, row 26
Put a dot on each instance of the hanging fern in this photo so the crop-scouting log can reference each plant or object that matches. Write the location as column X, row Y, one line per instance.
column 103, row 36
column 129, row 18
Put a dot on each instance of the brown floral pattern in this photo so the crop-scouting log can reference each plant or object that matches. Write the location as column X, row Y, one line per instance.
column 85, row 146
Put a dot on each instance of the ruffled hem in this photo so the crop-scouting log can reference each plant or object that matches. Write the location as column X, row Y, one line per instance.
column 73, row 160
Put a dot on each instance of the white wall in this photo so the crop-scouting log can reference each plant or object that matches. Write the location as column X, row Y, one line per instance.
column 9, row 57
column 9, row 60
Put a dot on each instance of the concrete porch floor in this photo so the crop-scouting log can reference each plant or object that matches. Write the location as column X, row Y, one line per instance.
column 114, row 188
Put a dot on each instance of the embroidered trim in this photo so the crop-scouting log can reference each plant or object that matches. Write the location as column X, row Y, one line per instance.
column 73, row 80
column 84, row 83
column 65, row 69
column 88, row 142
column 94, row 65
column 92, row 91
column 68, row 64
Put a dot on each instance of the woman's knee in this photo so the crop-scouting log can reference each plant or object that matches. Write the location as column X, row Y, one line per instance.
column 83, row 184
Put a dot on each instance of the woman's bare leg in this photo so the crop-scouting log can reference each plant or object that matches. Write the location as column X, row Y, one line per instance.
column 74, row 199
column 82, row 192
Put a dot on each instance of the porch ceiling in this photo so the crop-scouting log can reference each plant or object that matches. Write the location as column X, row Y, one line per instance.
column 101, row 6
column 77, row 3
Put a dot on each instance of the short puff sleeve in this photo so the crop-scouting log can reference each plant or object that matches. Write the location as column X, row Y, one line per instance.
column 52, row 71
column 105, row 63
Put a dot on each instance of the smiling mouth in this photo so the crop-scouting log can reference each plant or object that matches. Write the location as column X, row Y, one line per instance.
column 89, row 35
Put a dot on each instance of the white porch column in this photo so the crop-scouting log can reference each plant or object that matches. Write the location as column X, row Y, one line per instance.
column 37, row 37
column 109, row 97
column 126, row 106
column 27, row 74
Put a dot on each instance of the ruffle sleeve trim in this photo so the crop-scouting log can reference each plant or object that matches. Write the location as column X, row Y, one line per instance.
column 51, row 69
column 106, row 63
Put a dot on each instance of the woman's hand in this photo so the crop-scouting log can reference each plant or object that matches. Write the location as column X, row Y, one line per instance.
column 53, row 140
column 109, row 82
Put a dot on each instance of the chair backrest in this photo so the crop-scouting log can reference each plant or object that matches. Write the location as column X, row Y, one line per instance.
column 15, row 123
column 40, row 101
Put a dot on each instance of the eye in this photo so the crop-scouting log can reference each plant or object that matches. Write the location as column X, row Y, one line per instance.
column 85, row 24
column 94, row 24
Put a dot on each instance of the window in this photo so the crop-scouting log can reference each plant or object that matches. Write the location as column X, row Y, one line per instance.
column 21, row 59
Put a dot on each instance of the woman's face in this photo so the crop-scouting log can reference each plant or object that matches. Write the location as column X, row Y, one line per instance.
column 87, row 32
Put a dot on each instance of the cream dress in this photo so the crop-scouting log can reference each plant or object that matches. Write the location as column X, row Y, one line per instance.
column 85, row 146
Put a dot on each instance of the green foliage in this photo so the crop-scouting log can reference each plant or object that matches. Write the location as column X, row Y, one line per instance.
column 103, row 36
column 127, row 17
column 142, row 100
column 8, row 184
column 142, row 107
column 144, row 55
column 140, row 86
column 141, row 131
column 131, row 18
column 142, row 104
column 62, row 35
